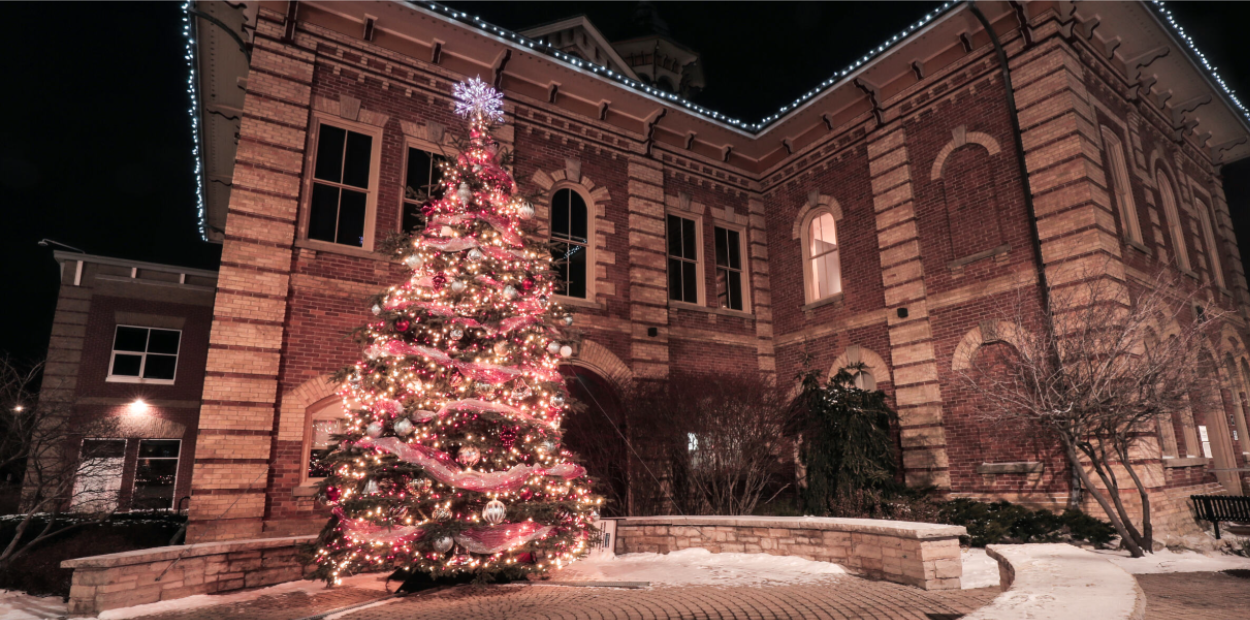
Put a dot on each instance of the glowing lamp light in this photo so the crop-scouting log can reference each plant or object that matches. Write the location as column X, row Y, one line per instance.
column 138, row 407
column 19, row 409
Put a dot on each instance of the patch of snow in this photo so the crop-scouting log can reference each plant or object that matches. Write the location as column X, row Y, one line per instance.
column 364, row 582
column 22, row 606
column 980, row 570
column 700, row 567
column 1172, row 562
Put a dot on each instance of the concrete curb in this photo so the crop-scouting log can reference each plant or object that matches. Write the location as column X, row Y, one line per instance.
column 1060, row 582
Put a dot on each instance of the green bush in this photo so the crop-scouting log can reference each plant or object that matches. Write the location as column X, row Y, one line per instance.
column 991, row 523
column 39, row 570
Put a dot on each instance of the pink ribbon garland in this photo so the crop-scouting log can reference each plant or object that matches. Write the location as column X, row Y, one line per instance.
column 493, row 374
column 441, row 467
column 454, row 244
column 482, row 540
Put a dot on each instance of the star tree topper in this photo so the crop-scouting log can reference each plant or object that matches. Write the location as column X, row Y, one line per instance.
column 477, row 98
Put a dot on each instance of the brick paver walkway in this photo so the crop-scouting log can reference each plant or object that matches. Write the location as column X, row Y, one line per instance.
column 1196, row 596
column 289, row 606
column 846, row 598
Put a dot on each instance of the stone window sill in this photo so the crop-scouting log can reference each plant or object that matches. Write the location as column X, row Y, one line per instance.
column 577, row 302
column 960, row 263
column 681, row 305
column 1193, row 461
column 304, row 490
column 830, row 300
column 1010, row 468
column 338, row 248
column 1132, row 243
column 1189, row 273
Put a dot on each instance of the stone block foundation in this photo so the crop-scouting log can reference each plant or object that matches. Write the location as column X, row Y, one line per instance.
column 115, row 580
column 924, row 555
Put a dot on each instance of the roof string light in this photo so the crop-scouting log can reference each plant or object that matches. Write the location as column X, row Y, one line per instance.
column 200, row 206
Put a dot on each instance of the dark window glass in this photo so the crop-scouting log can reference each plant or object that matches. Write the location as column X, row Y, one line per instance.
column 344, row 160
column 131, row 339
column 166, row 448
column 570, row 232
column 356, row 163
column 728, row 269
column 155, row 475
column 160, row 367
column 422, row 181
column 683, row 255
column 323, row 216
column 127, row 365
column 352, row 219
column 163, row 341
column 330, row 154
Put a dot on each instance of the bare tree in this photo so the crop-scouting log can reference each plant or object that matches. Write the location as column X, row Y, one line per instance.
column 709, row 445
column 43, row 438
column 1097, row 370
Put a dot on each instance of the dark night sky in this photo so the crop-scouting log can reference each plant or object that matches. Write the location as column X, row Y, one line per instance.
column 95, row 149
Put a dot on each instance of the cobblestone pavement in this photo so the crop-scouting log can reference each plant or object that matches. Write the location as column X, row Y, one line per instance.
column 1196, row 596
column 846, row 598
column 288, row 606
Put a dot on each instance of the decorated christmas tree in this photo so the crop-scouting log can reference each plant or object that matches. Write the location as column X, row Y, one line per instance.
column 451, row 461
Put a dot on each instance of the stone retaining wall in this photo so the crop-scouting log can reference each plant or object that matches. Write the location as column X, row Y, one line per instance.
column 925, row 555
column 149, row 575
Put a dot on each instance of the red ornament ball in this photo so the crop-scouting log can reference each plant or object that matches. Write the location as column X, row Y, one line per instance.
column 402, row 325
column 439, row 281
column 527, row 283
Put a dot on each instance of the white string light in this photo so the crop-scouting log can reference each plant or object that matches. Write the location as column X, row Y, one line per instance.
column 200, row 207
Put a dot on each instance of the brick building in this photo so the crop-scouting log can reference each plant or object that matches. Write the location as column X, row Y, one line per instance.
column 129, row 341
column 875, row 220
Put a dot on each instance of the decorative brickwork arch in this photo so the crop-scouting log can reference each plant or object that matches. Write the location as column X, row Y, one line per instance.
column 297, row 402
column 988, row 332
column 598, row 358
column 1231, row 342
column 962, row 137
column 815, row 204
column 872, row 362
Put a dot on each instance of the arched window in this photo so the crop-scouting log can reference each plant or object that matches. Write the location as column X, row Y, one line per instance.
column 1175, row 228
column 824, row 269
column 1213, row 249
column 325, row 420
column 1120, row 185
column 865, row 381
column 570, row 241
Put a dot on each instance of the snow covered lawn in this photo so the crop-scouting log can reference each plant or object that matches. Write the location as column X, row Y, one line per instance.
column 1168, row 562
column 700, row 567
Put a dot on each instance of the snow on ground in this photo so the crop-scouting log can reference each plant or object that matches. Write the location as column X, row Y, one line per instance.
column 1169, row 562
column 700, row 567
column 980, row 570
column 365, row 582
column 22, row 606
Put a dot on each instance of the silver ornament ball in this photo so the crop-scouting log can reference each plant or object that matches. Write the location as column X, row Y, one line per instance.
column 526, row 211
column 403, row 428
column 442, row 513
column 374, row 430
column 464, row 194
column 568, row 320
column 557, row 400
column 457, row 286
column 510, row 292
column 413, row 261
column 553, row 347
column 376, row 309
column 494, row 512
column 475, row 255
column 457, row 334
column 469, row 456
column 371, row 487
column 443, row 544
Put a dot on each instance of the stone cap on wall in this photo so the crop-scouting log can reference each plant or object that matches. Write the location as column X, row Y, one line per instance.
column 898, row 529
column 161, row 554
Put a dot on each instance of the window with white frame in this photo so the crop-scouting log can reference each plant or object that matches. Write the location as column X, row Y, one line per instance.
column 1175, row 228
column 1120, row 185
column 323, row 425
column 570, row 243
column 98, row 480
column 1213, row 249
column 824, row 267
column 683, row 259
column 144, row 355
column 423, row 174
column 338, row 210
column 156, row 474
column 729, row 273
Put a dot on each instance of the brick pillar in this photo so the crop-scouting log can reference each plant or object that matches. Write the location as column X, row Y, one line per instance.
column 241, row 383
column 648, row 271
column 916, row 390
column 762, row 299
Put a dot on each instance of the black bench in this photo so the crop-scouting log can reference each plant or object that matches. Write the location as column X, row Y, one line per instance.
column 1216, row 508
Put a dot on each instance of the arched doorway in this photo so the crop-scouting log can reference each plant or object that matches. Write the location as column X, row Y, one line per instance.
column 596, row 432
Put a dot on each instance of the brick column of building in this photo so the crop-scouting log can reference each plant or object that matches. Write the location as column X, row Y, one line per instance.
column 762, row 305
column 917, row 393
column 648, row 279
column 241, row 384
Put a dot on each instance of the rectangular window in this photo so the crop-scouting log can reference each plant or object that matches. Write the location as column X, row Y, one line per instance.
column 340, row 193
column 1213, row 249
column 144, row 355
column 322, row 442
column 729, row 268
column 98, row 481
column 421, row 183
column 156, row 474
column 570, row 242
column 683, row 260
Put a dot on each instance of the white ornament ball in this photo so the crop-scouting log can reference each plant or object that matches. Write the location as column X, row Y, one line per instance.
column 442, row 513
column 403, row 428
column 476, row 255
column 371, row 487
column 526, row 211
column 553, row 348
column 443, row 544
column 413, row 261
column 494, row 512
column 377, row 309
column 446, row 231
column 566, row 351
column 549, row 446
column 464, row 194
column 457, row 334
column 457, row 286
column 469, row 456
column 510, row 292
column 501, row 347
column 374, row 430
column 568, row 320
